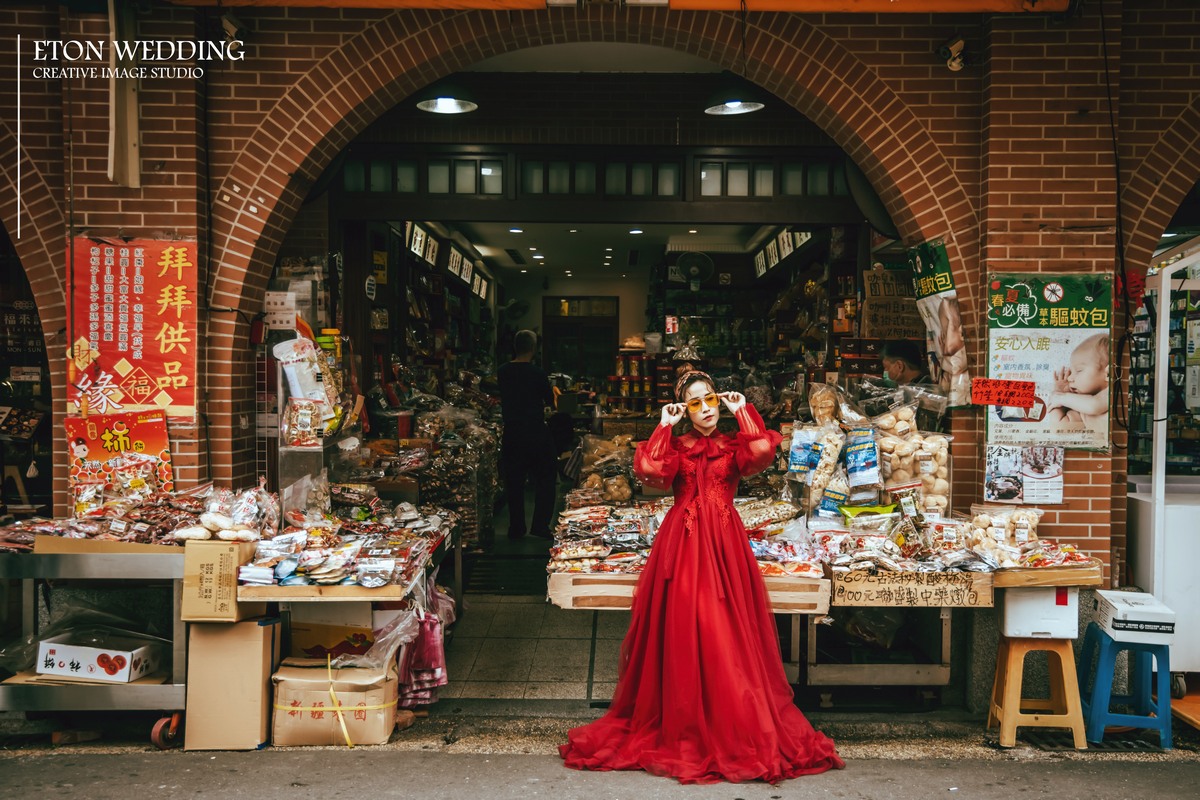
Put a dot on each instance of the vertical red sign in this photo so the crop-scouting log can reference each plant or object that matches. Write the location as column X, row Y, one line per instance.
column 132, row 325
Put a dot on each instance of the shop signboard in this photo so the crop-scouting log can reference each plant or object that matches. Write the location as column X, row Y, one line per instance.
column 100, row 446
column 889, row 307
column 132, row 326
column 937, row 303
column 1052, row 331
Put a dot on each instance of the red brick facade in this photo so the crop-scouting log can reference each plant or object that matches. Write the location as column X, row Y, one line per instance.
column 1010, row 160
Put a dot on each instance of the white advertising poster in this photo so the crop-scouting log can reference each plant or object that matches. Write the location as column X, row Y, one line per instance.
column 1052, row 331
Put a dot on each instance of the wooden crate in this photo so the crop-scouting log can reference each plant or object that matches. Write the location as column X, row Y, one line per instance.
column 1089, row 574
column 613, row 591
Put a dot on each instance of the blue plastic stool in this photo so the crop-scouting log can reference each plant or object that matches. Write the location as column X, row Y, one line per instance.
column 1098, row 698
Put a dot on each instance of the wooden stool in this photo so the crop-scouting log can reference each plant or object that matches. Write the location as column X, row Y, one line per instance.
column 1008, row 706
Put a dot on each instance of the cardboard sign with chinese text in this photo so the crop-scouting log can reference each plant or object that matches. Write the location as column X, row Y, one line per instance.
column 994, row 392
column 132, row 327
column 889, row 307
column 1052, row 331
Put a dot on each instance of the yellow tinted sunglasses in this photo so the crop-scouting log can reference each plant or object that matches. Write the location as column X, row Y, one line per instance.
column 696, row 403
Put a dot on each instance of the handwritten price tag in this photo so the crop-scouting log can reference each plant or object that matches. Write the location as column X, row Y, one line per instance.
column 996, row 392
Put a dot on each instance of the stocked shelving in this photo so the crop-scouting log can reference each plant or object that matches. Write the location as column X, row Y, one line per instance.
column 1182, row 420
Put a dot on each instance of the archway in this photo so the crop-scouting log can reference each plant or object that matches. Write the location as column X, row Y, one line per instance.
column 325, row 108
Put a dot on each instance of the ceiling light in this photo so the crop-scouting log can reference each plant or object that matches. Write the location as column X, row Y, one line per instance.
column 732, row 97
column 693, row 230
column 524, row 271
column 539, row 256
column 446, row 99
column 515, row 230
column 534, row 249
column 635, row 231
column 608, row 249
column 573, row 230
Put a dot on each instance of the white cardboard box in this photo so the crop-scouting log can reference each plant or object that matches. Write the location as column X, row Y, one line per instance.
column 1134, row 617
column 1041, row 612
column 113, row 659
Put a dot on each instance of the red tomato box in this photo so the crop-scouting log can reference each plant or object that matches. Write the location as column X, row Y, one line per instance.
column 95, row 656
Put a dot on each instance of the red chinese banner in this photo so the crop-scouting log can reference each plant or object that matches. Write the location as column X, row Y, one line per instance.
column 119, row 454
column 997, row 392
column 132, row 323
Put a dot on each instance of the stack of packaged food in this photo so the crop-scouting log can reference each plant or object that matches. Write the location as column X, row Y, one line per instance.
column 387, row 547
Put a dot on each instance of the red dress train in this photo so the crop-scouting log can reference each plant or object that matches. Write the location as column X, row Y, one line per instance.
column 701, row 694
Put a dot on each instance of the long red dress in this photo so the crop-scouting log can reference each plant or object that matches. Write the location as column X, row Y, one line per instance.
column 701, row 693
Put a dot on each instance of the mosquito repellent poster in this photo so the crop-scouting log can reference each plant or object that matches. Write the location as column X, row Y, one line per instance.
column 1053, row 331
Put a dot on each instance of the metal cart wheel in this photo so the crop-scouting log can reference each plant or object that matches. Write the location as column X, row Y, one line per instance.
column 166, row 733
column 1178, row 685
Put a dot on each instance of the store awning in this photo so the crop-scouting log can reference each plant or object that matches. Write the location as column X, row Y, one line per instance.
column 790, row 6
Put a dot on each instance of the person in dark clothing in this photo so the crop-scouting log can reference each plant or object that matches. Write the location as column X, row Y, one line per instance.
column 527, row 449
column 903, row 363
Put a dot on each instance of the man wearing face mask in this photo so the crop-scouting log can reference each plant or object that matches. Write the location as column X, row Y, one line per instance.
column 904, row 363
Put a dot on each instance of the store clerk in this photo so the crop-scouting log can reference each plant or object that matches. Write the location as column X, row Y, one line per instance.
column 904, row 363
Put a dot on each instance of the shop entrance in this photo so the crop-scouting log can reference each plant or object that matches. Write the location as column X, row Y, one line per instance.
column 447, row 249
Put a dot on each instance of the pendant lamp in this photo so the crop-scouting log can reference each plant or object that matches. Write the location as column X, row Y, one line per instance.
column 446, row 99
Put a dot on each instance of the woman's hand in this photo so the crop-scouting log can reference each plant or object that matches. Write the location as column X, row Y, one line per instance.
column 734, row 401
column 672, row 413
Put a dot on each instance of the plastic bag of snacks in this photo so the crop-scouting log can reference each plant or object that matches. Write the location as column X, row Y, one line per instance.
column 828, row 450
column 301, row 425
column 862, row 466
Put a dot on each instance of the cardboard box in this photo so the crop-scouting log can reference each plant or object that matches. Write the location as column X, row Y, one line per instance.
column 229, row 683
column 320, row 629
column 210, row 582
column 1050, row 612
column 30, row 678
column 1134, row 617
column 400, row 489
column 113, row 658
column 304, row 711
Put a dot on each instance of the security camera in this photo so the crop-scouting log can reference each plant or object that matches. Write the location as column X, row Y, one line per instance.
column 234, row 28
column 954, row 52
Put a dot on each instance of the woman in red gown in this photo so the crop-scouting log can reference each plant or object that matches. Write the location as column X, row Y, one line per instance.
column 701, row 693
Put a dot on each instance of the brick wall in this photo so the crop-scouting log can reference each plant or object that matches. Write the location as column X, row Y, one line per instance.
column 1009, row 160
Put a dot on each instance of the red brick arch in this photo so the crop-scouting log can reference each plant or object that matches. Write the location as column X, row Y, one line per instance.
column 326, row 107
column 1159, row 184
column 42, row 249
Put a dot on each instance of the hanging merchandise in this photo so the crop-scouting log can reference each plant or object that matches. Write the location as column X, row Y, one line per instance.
column 937, row 301
column 131, row 322
column 1052, row 331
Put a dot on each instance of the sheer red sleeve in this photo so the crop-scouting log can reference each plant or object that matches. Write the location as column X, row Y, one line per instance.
column 656, row 461
column 755, row 445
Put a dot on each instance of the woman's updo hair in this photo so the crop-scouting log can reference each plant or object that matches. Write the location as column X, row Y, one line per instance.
column 687, row 379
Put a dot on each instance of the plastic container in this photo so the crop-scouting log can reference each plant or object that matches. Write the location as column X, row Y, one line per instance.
column 1041, row 612
column 404, row 421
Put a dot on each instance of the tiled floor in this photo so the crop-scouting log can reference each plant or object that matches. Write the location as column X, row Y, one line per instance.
column 523, row 647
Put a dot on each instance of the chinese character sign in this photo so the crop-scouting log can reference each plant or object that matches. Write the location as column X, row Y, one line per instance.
column 117, row 455
column 937, row 302
column 132, row 324
column 889, row 308
column 1052, row 331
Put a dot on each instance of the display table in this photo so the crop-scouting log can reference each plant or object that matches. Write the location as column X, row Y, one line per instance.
column 337, row 593
column 943, row 591
column 814, row 596
column 30, row 568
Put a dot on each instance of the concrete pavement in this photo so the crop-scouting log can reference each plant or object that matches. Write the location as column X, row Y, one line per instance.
column 500, row 750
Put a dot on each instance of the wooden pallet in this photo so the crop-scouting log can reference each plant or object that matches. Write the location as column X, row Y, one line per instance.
column 613, row 591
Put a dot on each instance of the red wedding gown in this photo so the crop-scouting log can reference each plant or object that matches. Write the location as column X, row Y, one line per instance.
column 701, row 693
